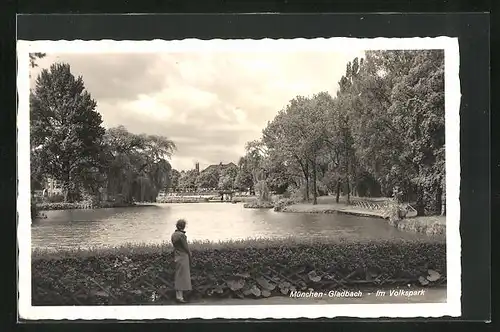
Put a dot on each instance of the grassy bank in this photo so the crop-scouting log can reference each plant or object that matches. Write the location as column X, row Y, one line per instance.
column 256, row 204
column 430, row 225
column 81, row 205
column 137, row 274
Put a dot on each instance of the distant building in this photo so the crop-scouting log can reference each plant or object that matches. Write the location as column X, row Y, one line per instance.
column 219, row 166
column 197, row 167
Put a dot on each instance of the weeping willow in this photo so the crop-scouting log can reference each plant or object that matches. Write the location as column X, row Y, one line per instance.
column 138, row 167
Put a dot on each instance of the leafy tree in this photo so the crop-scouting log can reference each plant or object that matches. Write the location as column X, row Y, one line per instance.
column 66, row 133
column 418, row 110
column 279, row 175
column 138, row 166
column 256, row 154
column 227, row 177
column 208, row 179
column 286, row 134
column 378, row 140
column 187, row 180
column 298, row 133
column 174, row 180
column 383, row 130
column 243, row 180
column 315, row 122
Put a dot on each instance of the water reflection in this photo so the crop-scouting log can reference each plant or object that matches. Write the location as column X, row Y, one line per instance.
column 206, row 221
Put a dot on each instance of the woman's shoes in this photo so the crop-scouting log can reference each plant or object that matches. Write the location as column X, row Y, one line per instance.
column 180, row 301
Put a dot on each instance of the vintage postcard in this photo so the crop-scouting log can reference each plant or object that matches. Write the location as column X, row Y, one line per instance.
column 300, row 178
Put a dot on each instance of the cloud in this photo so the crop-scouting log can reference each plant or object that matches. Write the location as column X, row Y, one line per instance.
column 209, row 104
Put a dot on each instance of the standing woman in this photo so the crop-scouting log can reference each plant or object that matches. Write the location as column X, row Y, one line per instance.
column 182, row 257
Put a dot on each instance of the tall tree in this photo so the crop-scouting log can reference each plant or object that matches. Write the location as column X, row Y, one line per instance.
column 138, row 167
column 174, row 180
column 399, row 120
column 315, row 123
column 418, row 110
column 187, row 180
column 288, row 134
column 228, row 177
column 66, row 132
column 256, row 153
column 209, row 178
column 244, row 180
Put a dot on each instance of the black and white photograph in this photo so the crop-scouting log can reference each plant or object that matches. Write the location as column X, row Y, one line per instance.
column 272, row 178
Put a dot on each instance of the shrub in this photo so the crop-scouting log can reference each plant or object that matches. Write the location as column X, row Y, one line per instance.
column 258, row 204
column 280, row 205
column 254, row 268
column 54, row 198
column 186, row 199
column 79, row 205
column 297, row 194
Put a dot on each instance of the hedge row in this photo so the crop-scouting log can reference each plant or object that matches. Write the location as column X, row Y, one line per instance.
column 46, row 206
column 139, row 277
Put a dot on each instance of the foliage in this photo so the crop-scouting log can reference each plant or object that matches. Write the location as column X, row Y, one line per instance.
column 175, row 176
column 137, row 165
column 252, row 269
column 243, row 180
column 227, row 178
column 259, row 204
column 34, row 57
column 66, row 133
column 383, row 129
column 48, row 206
column 69, row 145
column 187, row 179
column 400, row 96
column 183, row 199
column 209, row 178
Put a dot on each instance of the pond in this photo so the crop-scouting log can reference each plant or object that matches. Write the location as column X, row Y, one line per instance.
column 66, row 229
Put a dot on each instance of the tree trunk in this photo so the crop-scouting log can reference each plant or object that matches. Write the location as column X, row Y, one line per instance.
column 347, row 171
column 66, row 185
column 439, row 197
column 315, row 191
column 337, row 199
column 348, row 190
column 306, row 174
column 420, row 206
column 420, row 192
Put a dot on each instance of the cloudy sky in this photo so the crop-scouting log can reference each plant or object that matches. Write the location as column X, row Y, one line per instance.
column 209, row 104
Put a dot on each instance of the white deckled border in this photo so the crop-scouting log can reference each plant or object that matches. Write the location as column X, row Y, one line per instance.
column 452, row 104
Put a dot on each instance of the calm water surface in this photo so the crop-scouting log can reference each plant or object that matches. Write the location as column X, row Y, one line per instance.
column 206, row 221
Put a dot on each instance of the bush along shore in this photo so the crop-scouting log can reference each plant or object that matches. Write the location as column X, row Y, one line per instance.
column 46, row 206
column 185, row 199
column 258, row 204
column 241, row 269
